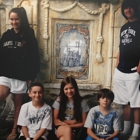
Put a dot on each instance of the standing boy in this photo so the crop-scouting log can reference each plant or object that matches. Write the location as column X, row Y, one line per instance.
column 35, row 117
column 126, row 76
column 103, row 122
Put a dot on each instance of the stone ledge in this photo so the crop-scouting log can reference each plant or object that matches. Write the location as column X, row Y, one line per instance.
column 84, row 89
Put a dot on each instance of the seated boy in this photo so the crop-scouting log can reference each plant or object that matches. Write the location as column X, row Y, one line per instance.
column 103, row 122
column 35, row 117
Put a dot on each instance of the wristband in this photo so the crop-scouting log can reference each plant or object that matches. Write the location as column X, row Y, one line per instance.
column 28, row 139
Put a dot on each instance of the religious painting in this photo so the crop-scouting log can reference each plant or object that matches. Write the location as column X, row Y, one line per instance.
column 72, row 51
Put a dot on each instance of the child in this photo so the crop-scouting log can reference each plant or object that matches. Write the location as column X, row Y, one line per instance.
column 35, row 117
column 103, row 122
column 70, row 111
column 127, row 71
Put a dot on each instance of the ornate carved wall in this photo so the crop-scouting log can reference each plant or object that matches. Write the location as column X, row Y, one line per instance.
column 75, row 38
column 78, row 38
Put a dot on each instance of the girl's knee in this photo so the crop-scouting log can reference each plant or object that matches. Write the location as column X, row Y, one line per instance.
column 68, row 129
column 63, row 130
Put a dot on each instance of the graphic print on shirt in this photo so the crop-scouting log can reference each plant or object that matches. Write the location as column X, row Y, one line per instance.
column 69, row 113
column 36, row 117
column 127, row 35
column 103, row 124
column 11, row 44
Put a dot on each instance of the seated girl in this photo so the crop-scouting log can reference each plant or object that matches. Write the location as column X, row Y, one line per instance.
column 70, row 111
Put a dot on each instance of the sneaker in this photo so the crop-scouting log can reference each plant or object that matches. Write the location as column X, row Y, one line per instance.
column 124, row 136
column 133, row 138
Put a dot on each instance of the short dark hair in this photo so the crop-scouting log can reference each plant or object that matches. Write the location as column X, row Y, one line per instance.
column 105, row 93
column 133, row 4
column 36, row 84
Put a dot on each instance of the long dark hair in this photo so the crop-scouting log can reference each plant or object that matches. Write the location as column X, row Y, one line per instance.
column 64, row 99
column 133, row 4
column 25, row 31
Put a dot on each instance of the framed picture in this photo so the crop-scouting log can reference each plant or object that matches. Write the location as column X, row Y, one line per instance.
column 72, row 50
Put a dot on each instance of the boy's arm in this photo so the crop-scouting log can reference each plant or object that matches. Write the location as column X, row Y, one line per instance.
column 39, row 133
column 117, row 60
column 25, row 131
column 91, row 134
column 138, row 68
column 113, row 135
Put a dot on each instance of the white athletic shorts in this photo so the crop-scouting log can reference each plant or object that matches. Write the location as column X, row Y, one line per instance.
column 16, row 86
column 126, row 88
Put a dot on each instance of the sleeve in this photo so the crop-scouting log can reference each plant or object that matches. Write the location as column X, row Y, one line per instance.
column 120, row 37
column 89, row 119
column 34, row 59
column 85, row 107
column 56, row 105
column 116, row 122
column 22, row 116
column 47, row 121
column 1, row 54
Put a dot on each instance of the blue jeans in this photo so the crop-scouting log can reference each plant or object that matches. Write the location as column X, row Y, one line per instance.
column 90, row 138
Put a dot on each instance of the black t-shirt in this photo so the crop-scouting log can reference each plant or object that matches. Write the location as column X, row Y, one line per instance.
column 129, row 47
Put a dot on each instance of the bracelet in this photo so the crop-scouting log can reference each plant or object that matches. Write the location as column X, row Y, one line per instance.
column 28, row 139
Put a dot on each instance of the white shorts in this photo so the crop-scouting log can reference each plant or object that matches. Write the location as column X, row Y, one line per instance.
column 16, row 86
column 126, row 88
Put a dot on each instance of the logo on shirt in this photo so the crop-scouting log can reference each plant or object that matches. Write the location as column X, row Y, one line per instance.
column 127, row 35
column 102, row 129
column 39, row 116
column 10, row 44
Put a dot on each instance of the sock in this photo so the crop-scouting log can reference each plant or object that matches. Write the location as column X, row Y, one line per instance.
column 136, row 130
column 127, row 126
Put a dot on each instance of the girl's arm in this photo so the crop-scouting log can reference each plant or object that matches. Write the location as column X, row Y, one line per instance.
column 91, row 134
column 39, row 133
column 113, row 135
column 75, row 124
column 57, row 121
column 25, row 131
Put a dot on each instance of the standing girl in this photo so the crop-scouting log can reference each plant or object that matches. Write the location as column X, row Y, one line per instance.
column 70, row 111
column 19, row 60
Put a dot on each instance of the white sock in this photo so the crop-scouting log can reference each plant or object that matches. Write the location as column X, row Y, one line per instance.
column 136, row 130
column 127, row 126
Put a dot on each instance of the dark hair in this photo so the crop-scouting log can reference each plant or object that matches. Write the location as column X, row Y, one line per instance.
column 64, row 99
column 36, row 84
column 133, row 4
column 105, row 93
column 25, row 30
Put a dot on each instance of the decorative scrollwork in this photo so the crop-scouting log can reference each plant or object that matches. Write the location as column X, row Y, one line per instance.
column 45, row 4
column 64, row 9
column 101, row 11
